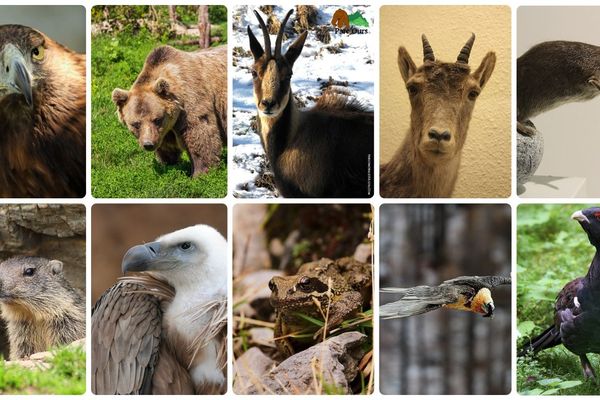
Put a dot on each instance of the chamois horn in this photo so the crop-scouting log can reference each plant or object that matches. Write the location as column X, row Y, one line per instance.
column 427, row 50
column 265, row 32
column 463, row 56
column 280, row 34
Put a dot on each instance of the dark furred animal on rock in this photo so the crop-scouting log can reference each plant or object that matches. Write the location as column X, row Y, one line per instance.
column 325, row 151
column 554, row 73
column 42, row 116
column 40, row 307
column 577, row 306
column 442, row 97
column 179, row 103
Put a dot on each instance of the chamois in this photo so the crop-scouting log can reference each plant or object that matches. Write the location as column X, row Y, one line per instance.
column 442, row 97
column 325, row 151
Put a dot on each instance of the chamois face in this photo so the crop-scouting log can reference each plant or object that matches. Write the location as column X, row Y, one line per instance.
column 442, row 97
column 272, row 73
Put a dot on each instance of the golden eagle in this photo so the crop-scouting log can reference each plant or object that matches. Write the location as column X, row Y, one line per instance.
column 42, row 116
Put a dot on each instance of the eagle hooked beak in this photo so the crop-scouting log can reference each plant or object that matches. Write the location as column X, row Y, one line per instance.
column 16, row 78
column 489, row 310
column 579, row 216
column 140, row 257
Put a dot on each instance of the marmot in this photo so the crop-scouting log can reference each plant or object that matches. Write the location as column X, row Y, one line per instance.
column 40, row 307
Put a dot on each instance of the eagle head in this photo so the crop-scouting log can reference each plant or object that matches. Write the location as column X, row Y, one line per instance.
column 194, row 257
column 589, row 219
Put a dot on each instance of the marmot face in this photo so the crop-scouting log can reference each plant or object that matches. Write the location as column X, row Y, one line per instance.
column 27, row 277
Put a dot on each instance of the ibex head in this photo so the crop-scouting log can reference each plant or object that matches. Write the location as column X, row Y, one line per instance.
column 442, row 97
column 271, row 73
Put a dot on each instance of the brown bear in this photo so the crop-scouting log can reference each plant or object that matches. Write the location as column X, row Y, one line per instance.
column 179, row 103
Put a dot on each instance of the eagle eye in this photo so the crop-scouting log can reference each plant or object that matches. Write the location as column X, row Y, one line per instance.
column 29, row 272
column 37, row 53
column 185, row 245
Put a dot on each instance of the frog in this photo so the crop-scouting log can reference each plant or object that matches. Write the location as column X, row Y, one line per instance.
column 325, row 290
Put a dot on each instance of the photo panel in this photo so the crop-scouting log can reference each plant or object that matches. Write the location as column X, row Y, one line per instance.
column 557, row 291
column 445, row 99
column 43, row 299
column 302, row 299
column 303, row 101
column 159, row 104
column 159, row 295
column 43, row 101
column 557, row 85
column 445, row 299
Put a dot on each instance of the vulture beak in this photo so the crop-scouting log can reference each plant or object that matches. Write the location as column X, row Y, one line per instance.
column 489, row 310
column 14, row 76
column 140, row 257
column 579, row 216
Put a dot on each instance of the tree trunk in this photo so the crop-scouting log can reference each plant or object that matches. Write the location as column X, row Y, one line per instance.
column 172, row 15
column 203, row 27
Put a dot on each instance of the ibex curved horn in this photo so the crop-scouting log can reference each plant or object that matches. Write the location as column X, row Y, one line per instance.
column 463, row 56
column 265, row 32
column 427, row 50
column 280, row 34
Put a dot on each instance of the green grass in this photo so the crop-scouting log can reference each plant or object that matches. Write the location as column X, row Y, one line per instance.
column 120, row 168
column 66, row 375
column 552, row 251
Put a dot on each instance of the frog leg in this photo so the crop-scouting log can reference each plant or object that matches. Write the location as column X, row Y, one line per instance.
column 340, row 309
column 282, row 341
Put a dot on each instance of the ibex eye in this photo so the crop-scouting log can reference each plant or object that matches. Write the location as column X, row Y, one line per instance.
column 473, row 94
column 29, row 272
column 412, row 90
column 254, row 74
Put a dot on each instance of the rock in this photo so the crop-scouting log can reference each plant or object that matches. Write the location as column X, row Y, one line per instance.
column 253, row 288
column 363, row 252
column 530, row 150
column 41, row 356
column 29, row 364
column 333, row 362
column 249, row 368
column 262, row 337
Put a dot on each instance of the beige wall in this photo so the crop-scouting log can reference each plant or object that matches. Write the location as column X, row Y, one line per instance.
column 486, row 161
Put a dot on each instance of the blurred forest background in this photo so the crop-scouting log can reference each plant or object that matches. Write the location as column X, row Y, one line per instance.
column 117, row 227
column 552, row 251
column 122, row 38
column 445, row 351
column 64, row 24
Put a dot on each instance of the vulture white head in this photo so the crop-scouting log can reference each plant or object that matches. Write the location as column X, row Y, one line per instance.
column 193, row 258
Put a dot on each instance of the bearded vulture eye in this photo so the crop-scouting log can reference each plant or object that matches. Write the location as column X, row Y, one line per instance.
column 185, row 245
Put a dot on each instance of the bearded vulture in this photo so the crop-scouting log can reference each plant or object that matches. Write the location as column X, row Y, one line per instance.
column 162, row 329
column 466, row 293
column 577, row 306
column 42, row 116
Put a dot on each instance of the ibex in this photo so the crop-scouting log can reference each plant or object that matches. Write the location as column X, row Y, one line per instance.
column 325, row 151
column 442, row 96
column 554, row 73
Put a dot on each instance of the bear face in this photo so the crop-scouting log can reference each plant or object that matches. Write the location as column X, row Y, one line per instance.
column 149, row 112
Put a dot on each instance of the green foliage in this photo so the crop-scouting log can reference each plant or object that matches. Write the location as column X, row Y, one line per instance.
column 66, row 375
column 552, row 250
column 120, row 168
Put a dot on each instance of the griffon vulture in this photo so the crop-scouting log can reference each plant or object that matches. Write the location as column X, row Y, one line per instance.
column 42, row 116
column 466, row 293
column 577, row 306
column 163, row 329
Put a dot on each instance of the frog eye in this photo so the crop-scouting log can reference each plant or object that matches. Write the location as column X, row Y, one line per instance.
column 272, row 286
column 304, row 284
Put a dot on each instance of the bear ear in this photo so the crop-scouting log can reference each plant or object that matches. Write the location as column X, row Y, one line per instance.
column 119, row 97
column 161, row 87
